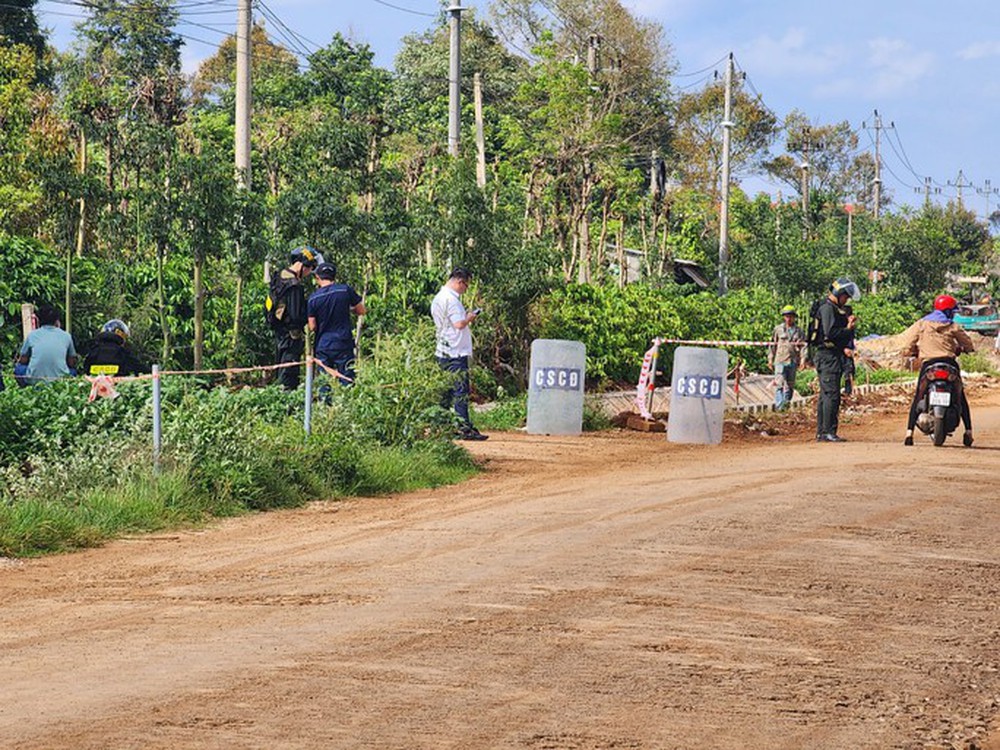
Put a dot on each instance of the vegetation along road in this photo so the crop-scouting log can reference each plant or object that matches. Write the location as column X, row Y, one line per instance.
column 605, row 591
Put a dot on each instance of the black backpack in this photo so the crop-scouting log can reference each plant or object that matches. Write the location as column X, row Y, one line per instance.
column 274, row 302
column 814, row 330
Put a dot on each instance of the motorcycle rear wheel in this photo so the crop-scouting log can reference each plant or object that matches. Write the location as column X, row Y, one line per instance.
column 939, row 431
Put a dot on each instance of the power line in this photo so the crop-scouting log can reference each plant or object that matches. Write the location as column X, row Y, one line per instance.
column 300, row 40
column 713, row 66
column 405, row 10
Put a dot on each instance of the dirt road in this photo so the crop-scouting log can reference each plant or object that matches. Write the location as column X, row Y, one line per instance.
column 608, row 591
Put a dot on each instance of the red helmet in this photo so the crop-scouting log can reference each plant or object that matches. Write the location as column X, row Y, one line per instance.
column 945, row 302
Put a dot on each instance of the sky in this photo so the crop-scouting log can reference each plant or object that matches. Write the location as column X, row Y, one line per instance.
column 930, row 69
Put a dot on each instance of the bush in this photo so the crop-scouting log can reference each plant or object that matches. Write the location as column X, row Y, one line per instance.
column 617, row 325
column 877, row 314
column 74, row 473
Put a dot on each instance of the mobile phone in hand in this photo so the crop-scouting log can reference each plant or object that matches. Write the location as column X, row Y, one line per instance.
column 478, row 311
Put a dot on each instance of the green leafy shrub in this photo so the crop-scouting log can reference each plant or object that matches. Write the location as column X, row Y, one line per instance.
column 878, row 314
column 510, row 413
column 396, row 398
column 73, row 474
column 617, row 325
column 977, row 362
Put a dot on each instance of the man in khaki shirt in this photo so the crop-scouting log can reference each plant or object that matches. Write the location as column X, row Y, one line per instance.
column 937, row 338
column 784, row 355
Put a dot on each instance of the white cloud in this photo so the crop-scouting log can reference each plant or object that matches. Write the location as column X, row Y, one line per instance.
column 896, row 67
column 668, row 10
column 980, row 50
column 892, row 67
column 792, row 53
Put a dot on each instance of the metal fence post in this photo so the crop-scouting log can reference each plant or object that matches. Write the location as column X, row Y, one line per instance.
column 307, row 420
column 157, row 419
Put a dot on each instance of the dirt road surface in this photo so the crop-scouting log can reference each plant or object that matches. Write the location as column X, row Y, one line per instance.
column 607, row 591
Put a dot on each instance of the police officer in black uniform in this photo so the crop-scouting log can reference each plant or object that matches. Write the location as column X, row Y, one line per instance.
column 287, row 312
column 834, row 333
column 110, row 354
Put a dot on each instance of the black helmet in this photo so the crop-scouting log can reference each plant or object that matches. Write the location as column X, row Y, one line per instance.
column 845, row 286
column 307, row 256
column 326, row 271
column 117, row 327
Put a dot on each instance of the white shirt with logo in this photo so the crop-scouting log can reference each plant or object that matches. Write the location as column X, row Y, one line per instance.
column 447, row 310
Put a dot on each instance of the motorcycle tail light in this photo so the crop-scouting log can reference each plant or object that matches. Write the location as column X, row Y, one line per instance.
column 940, row 374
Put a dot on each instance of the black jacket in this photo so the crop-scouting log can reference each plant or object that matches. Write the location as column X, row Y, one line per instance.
column 834, row 333
column 289, row 301
column 110, row 356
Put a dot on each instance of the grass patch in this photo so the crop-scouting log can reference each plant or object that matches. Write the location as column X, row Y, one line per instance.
column 75, row 474
column 806, row 385
column 512, row 414
column 505, row 415
column 977, row 362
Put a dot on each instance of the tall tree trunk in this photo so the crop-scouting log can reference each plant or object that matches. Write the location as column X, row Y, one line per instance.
column 368, row 200
column 582, row 225
column 199, row 310
column 622, row 257
column 109, row 166
column 602, row 239
column 81, row 227
column 68, row 314
column 237, row 318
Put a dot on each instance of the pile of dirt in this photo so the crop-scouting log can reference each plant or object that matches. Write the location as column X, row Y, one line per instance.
column 886, row 352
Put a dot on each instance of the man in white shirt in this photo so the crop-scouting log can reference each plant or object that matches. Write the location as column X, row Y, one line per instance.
column 453, row 349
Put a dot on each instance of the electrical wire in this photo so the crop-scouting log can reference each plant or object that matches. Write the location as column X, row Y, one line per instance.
column 703, row 70
column 289, row 34
column 406, row 10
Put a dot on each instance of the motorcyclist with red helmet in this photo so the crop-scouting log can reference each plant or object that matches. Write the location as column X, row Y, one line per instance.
column 933, row 339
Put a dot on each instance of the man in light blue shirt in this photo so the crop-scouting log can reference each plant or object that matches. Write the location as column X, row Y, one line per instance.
column 48, row 351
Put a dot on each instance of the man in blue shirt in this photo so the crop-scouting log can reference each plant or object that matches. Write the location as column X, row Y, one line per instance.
column 330, row 309
column 48, row 351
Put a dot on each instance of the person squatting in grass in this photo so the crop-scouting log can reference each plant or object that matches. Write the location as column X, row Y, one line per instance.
column 329, row 309
column 111, row 355
column 832, row 332
column 286, row 312
column 48, row 352
column 784, row 355
column 453, row 349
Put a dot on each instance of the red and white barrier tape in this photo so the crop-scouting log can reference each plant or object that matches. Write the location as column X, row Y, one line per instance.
column 647, row 381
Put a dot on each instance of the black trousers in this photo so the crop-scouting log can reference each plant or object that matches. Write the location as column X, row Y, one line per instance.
column 918, row 392
column 290, row 349
column 829, row 369
column 458, row 393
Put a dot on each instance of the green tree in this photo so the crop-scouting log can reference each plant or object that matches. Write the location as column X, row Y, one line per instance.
column 19, row 26
column 697, row 140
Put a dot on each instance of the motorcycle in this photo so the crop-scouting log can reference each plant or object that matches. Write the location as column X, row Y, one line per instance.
column 940, row 409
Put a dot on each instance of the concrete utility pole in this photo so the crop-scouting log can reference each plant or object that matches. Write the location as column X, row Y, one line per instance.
column 878, row 166
column 987, row 190
column 806, row 142
column 727, row 131
column 927, row 189
column 244, row 23
column 960, row 183
column 243, row 27
column 877, row 189
column 593, row 49
column 455, row 77
column 477, row 88
column 849, row 210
